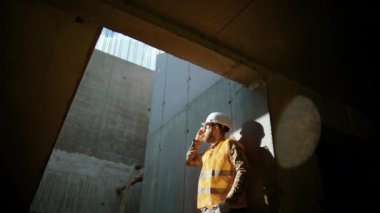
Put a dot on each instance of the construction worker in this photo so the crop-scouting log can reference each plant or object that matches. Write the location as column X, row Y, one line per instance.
column 222, row 181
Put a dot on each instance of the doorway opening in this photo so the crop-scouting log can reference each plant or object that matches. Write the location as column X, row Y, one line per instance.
column 124, row 115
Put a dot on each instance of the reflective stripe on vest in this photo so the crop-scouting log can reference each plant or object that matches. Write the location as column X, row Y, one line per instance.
column 217, row 175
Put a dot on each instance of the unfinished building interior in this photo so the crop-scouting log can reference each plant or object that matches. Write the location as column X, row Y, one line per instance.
column 316, row 60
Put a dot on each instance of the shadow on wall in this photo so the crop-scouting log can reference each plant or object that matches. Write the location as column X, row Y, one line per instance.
column 262, row 185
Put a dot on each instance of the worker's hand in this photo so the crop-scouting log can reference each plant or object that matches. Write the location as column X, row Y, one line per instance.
column 203, row 134
column 223, row 207
column 200, row 134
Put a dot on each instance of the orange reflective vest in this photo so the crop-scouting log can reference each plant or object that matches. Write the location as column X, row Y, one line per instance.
column 217, row 175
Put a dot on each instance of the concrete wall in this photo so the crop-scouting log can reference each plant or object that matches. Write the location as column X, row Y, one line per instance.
column 177, row 83
column 109, row 115
column 170, row 186
column 103, row 136
column 297, row 118
column 44, row 54
column 296, row 125
column 74, row 182
column 325, row 152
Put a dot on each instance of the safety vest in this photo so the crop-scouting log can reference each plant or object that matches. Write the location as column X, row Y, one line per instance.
column 217, row 175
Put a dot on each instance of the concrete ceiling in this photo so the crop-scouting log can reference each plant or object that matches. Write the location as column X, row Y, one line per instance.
column 273, row 33
column 317, row 43
column 320, row 44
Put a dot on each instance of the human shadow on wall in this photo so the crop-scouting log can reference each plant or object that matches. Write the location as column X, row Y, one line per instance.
column 262, row 190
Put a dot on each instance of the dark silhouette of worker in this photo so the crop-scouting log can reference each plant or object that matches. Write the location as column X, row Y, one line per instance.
column 262, row 190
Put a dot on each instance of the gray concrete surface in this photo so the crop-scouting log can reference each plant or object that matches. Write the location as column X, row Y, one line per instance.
column 74, row 182
column 103, row 136
column 177, row 82
column 109, row 114
column 170, row 186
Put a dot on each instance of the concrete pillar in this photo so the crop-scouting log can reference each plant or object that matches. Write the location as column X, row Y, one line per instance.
column 296, row 126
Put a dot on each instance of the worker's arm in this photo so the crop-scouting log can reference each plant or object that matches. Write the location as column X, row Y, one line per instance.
column 192, row 156
column 239, row 160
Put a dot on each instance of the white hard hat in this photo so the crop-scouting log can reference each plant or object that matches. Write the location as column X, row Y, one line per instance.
column 220, row 118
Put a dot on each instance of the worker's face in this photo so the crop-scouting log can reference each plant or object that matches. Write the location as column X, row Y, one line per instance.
column 210, row 132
